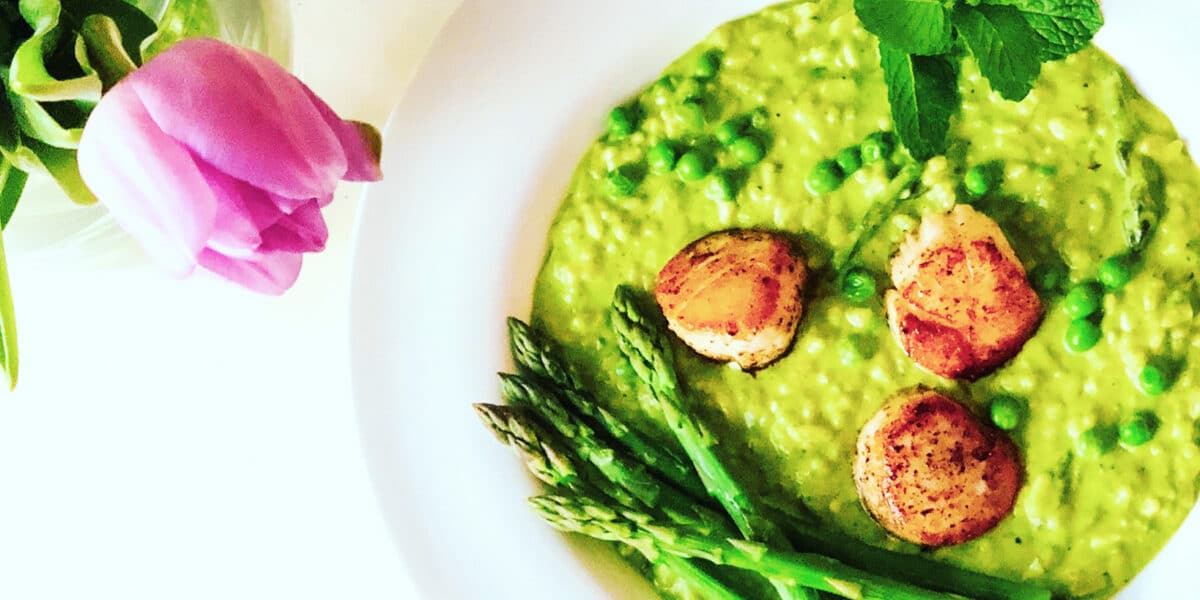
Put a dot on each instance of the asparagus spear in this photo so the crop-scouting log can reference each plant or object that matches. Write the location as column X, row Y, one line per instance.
column 617, row 466
column 907, row 567
column 537, row 356
column 544, row 456
column 558, row 467
column 595, row 519
column 649, row 353
column 882, row 208
column 546, row 461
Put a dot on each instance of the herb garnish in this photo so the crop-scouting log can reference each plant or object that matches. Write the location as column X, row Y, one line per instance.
column 921, row 43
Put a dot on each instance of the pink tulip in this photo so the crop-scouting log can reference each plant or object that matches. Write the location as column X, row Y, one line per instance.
column 215, row 156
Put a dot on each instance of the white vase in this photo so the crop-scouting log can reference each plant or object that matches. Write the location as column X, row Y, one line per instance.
column 50, row 229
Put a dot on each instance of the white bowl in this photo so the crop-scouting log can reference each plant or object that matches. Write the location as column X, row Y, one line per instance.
column 478, row 156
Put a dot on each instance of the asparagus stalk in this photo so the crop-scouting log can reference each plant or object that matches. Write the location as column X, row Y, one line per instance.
column 552, row 464
column 519, row 430
column 537, row 356
column 908, row 567
column 883, row 207
column 595, row 519
column 704, row 585
column 614, row 464
column 544, row 455
column 649, row 353
column 546, row 458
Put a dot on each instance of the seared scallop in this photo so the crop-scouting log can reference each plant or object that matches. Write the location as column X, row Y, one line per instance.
column 931, row 473
column 734, row 296
column 962, row 304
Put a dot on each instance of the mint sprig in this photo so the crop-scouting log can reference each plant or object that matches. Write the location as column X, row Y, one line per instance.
column 921, row 43
column 1005, row 45
column 914, row 26
column 1067, row 26
column 923, row 91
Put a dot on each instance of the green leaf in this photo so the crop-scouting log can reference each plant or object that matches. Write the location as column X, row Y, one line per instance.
column 8, row 322
column 103, row 51
column 63, row 166
column 56, row 25
column 12, row 185
column 1067, row 26
column 35, row 121
column 33, row 156
column 29, row 76
column 914, row 26
column 136, row 27
column 1005, row 46
column 923, row 92
column 182, row 19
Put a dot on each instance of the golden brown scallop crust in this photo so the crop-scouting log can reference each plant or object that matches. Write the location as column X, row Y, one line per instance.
column 734, row 296
column 931, row 473
column 962, row 305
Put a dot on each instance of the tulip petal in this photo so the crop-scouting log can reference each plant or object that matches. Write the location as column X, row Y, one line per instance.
column 302, row 231
column 243, row 212
column 235, row 232
column 148, row 181
column 246, row 117
column 271, row 273
column 361, row 142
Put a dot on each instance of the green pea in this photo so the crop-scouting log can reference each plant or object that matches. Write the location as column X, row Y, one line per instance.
column 707, row 65
column 1139, row 429
column 1153, row 380
column 979, row 180
column 621, row 122
column 1048, row 277
column 858, row 285
column 1006, row 412
column 1082, row 335
column 1097, row 441
column 720, row 187
column 878, row 146
column 850, row 159
column 692, row 166
column 826, row 177
column 855, row 348
column 730, row 131
column 620, row 184
column 661, row 157
column 760, row 119
column 1047, row 170
column 1114, row 272
column 691, row 115
column 1085, row 299
column 747, row 150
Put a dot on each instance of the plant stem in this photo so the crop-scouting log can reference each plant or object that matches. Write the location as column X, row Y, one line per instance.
column 107, row 56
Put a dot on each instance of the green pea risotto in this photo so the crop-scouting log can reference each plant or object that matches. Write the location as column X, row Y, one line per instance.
column 779, row 121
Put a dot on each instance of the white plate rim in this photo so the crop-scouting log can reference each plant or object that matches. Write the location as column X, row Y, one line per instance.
column 1152, row 75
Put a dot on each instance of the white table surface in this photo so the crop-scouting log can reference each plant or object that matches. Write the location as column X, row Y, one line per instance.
column 186, row 439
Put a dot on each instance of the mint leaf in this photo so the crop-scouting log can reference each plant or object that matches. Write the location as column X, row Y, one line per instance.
column 914, row 26
column 1004, row 44
column 1067, row 26
column 923, row 92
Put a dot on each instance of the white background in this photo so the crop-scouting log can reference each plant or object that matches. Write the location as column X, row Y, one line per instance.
column 186, row 439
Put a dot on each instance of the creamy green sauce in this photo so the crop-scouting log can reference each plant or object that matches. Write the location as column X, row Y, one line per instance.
column 1083, row 526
